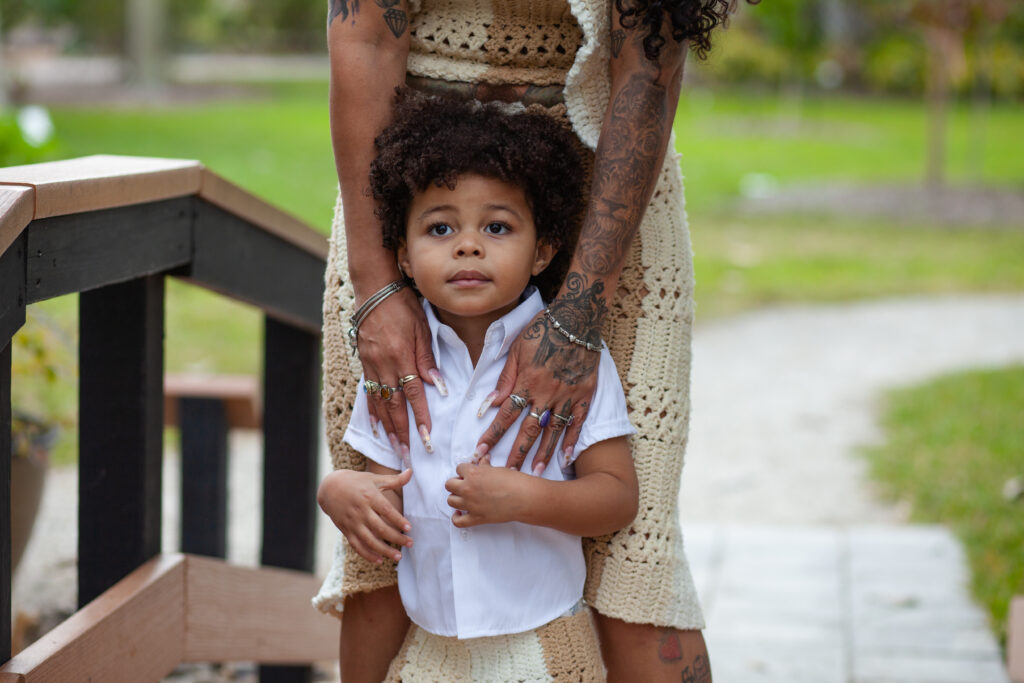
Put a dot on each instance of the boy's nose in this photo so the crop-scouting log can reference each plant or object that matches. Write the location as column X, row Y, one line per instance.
column 468, row 247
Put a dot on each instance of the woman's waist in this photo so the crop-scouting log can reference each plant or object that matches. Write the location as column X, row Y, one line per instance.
column 548, row 96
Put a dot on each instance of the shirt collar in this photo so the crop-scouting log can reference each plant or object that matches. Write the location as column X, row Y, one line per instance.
column 502, row 331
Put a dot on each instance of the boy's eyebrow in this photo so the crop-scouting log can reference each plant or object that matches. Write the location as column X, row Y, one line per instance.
column 448, row 207
column 435, row 209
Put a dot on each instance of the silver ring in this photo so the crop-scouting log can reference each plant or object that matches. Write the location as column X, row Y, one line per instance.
column 518, row 401
column 566, row 421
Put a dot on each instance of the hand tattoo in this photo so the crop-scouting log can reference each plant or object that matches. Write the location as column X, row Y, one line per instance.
column 581, row 310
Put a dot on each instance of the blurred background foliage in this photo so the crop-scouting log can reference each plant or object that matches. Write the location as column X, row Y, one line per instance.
column 877, row 46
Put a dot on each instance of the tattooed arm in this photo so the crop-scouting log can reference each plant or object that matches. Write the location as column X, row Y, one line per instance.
column 369, row 45
column 543, row 365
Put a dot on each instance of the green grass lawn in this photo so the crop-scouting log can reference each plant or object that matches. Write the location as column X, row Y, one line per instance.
column 951, row 446
column 725, row 135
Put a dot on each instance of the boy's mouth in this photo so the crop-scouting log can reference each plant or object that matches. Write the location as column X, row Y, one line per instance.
column 468, row 278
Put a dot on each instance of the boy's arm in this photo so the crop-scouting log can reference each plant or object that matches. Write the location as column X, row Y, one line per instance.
column 602, row 499
column 367, row 508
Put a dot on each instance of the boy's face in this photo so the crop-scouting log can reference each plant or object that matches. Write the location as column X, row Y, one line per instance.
column 472, row 250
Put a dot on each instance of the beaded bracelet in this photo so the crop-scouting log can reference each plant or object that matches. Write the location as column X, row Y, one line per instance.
column 375, row 300
column 568, row 335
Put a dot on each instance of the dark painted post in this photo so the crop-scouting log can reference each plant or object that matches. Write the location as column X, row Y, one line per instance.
column 5, row 503
column 291, row 408
column 12, row 317
column 121, row 329
column 204, row 482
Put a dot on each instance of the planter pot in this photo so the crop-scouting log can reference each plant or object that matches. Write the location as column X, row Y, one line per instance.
column 27, row 478
column 32, row 440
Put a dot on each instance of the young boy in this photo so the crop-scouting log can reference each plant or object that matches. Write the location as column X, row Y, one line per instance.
column 481, row 206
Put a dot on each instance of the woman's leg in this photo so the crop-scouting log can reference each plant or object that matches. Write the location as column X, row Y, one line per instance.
column 642, row 652
column 373, row 627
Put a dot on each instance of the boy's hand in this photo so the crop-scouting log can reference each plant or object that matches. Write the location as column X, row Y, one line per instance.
column 482, row 494
column 356, row 503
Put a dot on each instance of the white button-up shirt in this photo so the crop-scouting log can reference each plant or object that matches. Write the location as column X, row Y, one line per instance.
column 495, row 578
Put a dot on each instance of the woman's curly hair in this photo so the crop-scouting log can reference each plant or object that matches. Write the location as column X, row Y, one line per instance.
column 434, row 140
column 692, row 20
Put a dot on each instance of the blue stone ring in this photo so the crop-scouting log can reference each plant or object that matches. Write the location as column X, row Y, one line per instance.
column 543, row 418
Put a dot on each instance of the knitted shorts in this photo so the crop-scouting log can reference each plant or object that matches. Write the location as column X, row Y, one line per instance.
column 562, row 650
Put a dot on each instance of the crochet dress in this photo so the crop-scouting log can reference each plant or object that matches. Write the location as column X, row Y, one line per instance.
column 640, row 573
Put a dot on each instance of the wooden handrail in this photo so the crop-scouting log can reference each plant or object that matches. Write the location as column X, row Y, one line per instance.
column 112, row 228
column 105, row 181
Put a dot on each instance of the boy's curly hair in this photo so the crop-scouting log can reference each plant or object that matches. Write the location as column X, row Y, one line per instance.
column 434, row 140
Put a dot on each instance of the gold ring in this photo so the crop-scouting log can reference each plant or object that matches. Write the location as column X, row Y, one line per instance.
column 405, row 380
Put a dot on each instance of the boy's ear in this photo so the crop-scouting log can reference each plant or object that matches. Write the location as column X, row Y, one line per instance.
column 403, row 258
column 545, row 252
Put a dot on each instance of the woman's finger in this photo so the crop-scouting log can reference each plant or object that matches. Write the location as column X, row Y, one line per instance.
column 572, row 432
column 412, row 390
column 529, row 431
column 549, row 438
column 510, row 410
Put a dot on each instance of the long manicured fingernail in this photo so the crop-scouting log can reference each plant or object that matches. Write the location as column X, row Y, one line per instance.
column 480, row 452
column 567, row 456
column 395, row 446
column 373, row 425
column 487, row 403
column 425, row 437
column 404, row 454
column 438, row 380
column 538, row 469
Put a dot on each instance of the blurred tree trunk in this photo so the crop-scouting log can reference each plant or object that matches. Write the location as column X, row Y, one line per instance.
column 938, row 98
column 145, row 22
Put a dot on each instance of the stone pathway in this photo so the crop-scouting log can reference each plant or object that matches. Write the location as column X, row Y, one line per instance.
column 804, row 575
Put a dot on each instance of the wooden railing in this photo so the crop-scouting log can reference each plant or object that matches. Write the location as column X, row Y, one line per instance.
column 112, row 228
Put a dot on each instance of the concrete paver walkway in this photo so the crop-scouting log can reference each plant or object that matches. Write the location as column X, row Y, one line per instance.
column 804, row 575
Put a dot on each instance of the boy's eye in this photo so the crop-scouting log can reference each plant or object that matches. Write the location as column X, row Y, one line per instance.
column 496, row 228
column 440, row 229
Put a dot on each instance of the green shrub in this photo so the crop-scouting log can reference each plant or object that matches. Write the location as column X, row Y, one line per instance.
column 896, row 63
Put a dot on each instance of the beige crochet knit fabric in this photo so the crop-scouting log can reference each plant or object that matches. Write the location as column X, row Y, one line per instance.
column 564, row 650
column 640, row 573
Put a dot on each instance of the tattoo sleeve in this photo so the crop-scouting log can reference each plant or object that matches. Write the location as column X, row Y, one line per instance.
column 627, row 163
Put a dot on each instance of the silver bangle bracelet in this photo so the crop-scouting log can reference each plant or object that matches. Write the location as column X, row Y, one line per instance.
column 568, row 335
column 375, row 300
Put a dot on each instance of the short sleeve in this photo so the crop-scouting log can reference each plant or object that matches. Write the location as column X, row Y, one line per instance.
column 608, row 417
column 359, row 435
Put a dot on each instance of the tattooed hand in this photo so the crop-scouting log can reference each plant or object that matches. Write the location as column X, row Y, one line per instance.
column 551, row 372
